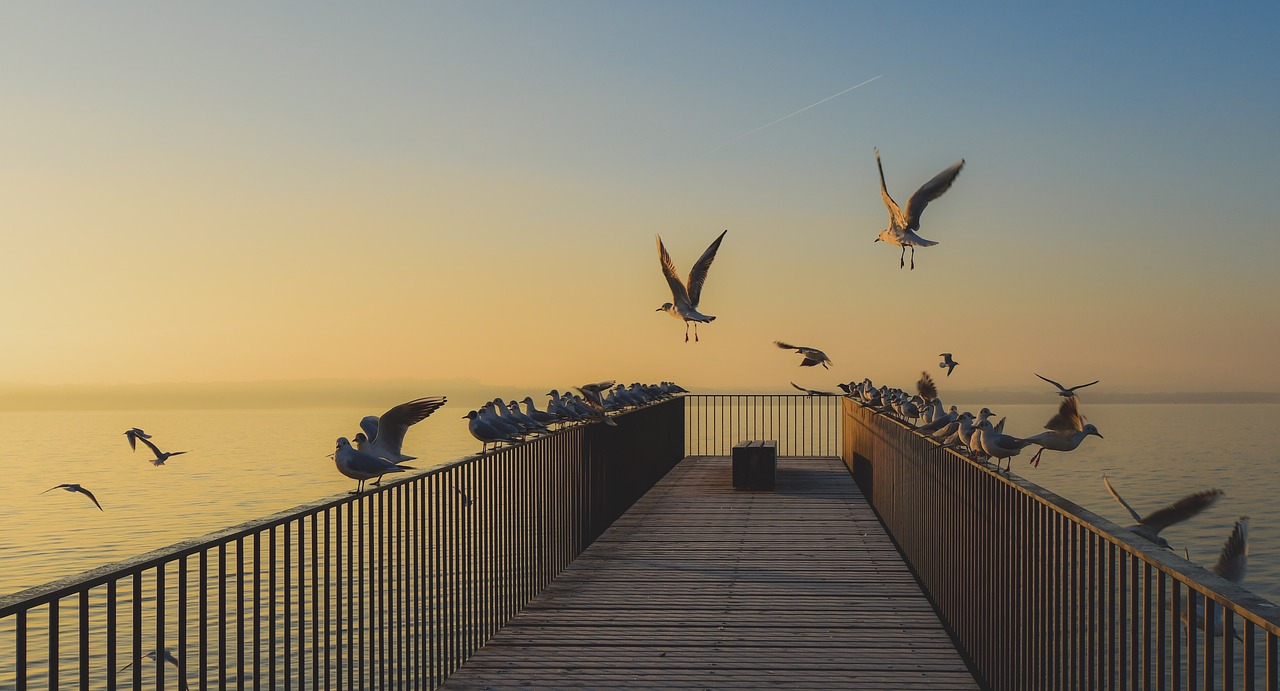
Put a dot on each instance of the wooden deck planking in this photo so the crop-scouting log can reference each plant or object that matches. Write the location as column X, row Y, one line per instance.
column 702, row 586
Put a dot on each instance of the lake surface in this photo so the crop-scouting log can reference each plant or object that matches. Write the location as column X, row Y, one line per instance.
column 244, row 464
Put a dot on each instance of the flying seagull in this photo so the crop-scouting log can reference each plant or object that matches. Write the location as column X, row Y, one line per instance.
column 1064, row 391
column 76, row 488
column 947, row 363
column 686, row 296
column 902, row 226
column 161, row 456
column 168, row 657
column 133, row 434
column 812, row 392
column 1231, row 565
column 812, row 356
column 384, row 436
column 1149, row 526
column 1067, row 430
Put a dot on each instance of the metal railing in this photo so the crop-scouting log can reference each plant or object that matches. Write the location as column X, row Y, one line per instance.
column 802, row 425
column 393, row 588
column 1042, row 594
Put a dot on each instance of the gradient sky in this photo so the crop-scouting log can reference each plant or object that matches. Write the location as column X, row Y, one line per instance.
column 238, row 192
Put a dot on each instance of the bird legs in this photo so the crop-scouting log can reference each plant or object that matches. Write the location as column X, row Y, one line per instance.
column 1035, row 460
column 686, row 331
column 902, row 258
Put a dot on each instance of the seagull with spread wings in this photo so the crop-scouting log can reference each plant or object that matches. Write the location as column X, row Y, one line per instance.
column 685, row 297
column 903, row 225
column 1067, row 430
column 947, row 363
column 812, row 356
column 1149, row 526
column 161, row 456
column 811, row 392
column 1064, row 391
column 383, row 436
column 77, row 488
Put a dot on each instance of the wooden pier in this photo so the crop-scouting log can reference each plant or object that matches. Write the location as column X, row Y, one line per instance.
column 701, row 586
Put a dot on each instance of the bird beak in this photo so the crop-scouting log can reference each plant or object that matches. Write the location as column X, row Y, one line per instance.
column 876, row 240
column 1098, row 435
column 658, row 310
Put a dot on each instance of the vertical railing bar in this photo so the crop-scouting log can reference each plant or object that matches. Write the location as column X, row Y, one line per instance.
column 302, row 604
column 222, row 616
column 316, row 615
column 54, row 653
column 182, row 619
column 1228, row 649
column 286, row 607
column 112, row 625
column 136, row 658
column 83, row 612
column 240, row 569
column 1191, row 640
column 1250, row 676
column 272, row 673
column 202, row 616
column 20, row 643
column 1175, row 643
column 358, row 596
column 160, row 646
column 257, row 610
column 333, row 597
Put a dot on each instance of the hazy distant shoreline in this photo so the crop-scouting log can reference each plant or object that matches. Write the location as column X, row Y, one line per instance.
column 327, row 394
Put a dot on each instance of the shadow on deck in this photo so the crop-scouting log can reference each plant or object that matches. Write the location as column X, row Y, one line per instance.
column 702, row 586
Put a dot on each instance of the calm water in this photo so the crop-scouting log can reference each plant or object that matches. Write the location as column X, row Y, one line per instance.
column 249, row 463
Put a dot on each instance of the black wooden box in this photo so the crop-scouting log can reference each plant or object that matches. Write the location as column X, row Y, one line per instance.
column 754, row 464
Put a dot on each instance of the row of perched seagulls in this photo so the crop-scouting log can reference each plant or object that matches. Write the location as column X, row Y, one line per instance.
column 1065, row 431
column 985, row 440
column 498, row 422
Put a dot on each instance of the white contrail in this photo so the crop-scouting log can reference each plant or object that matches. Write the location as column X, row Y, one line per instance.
column 784, row 117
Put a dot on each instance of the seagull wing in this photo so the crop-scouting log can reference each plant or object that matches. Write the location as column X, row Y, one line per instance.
column 1068, row 418
column 1116, row 495
column 394, row 423
column 698, row 274
column 679, row 294
column 132, row 436
column 896, row 219
column 151, row 446
column 369, row 425
column 1182, row 509
column 89, row 494
column 1081, row 386
column 926, row 388
column 1060, row 387
column 930, row 191
column 800, row 388
column 362, row 462
column 1235, row 553
column 788, row 346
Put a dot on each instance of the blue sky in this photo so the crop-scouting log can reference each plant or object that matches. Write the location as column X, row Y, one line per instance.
column 238, row 192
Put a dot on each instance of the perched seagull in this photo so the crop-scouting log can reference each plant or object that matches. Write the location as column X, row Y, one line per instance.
column 77, row 488
column 1066, row 430
column 362, row 465
column 686, row 296
column 812, row 356
column 168, row 657
column 1149, row 527
column 384, row 436
column 1064, row 391
column 134, row 434
column 994, row 443
column 947, row 363
column 902, row 226
column 812, row 392
column 485, row 430
column 161, row 456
